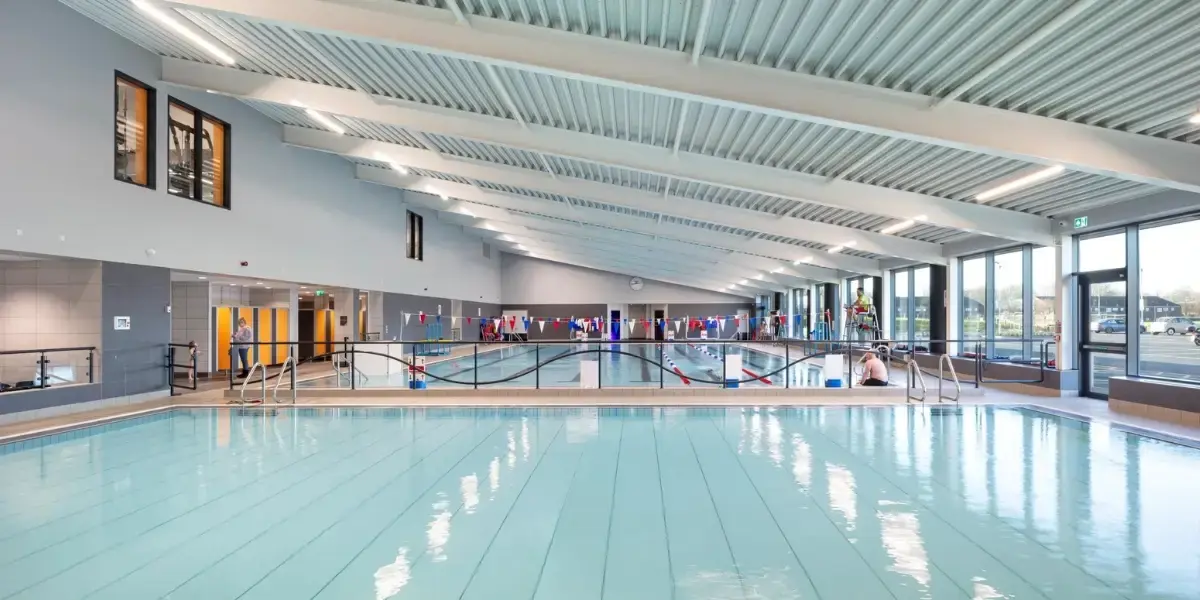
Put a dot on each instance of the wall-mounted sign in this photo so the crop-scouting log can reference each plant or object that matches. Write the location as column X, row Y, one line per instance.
column 1080, row 222
column 344, row 320
column 122, row 323
column 320, row 292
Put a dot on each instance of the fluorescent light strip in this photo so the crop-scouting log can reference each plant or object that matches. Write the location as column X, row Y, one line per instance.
column 325, row 121
column 185, row 31
column 806, row 259
column 1195, row 120
column 1017, row 184
column 836, row 249
column 381, row 157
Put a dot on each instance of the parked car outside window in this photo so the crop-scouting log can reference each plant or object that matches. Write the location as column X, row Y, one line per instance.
column 1171, row 326
column 1109, row 326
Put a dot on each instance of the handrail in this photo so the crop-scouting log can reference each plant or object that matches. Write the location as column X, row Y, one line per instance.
column 290, row 360
column 191, row 367
column 263, row 381
column 47, row 350
column 911, row 368
column 945, row 360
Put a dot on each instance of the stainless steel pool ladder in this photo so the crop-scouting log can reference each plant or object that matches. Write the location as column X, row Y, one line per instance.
column 258, row 366
column 337, row 369
column 913, row 371
column 290, row 361
column 943, row 363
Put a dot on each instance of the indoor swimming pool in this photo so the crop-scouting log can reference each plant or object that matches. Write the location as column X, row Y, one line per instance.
column 634, row 365
column 747, row 503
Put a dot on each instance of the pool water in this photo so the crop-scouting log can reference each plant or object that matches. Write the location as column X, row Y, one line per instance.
column 699, row 365
column 620, row 504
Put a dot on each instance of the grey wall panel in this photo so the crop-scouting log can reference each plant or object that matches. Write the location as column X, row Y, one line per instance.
column 475, row 310
column 394, row 307
column 132, row 360
column 556, row 311
column 1163, row 394
column 15, row 402
column 702, row 311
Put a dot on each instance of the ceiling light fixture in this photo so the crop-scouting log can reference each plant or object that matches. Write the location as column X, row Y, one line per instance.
column 777, row 270
column 258, row 283
column 806, row 259
column 1195, row 120
column 304, row 287
column 1019, row 183
column 466, row 211
column 203, row 277
column 759, row 277
column 174, row 25
column 836, row 249
column 319, row 117
column 743, row 282
column 391, row 163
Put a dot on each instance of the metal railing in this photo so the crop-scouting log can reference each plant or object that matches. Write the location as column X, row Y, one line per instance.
column 190, row 365
column 41, row 379
column 708, row 362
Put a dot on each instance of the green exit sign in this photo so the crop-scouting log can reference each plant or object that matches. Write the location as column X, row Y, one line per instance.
column 320, row 292
column 1080, row 222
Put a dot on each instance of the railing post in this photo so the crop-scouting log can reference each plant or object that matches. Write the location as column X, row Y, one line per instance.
column 787, row 365
column 91, row 365
column 724, row 365
column 170, row 370
column 600, row 365
column 661, row 371
column 537, row 366
column 232, row 364
column 42, row 370
column 475, row 369
column 353, row 373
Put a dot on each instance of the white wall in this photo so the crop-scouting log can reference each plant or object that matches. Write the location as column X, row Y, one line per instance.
column 48, row 304
column 296, row 215
column 528, row 280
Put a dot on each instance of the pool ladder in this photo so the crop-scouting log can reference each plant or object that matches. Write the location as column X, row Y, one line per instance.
column 913, row 372
column 944, row 363
column 258, row 366
column 291, row 361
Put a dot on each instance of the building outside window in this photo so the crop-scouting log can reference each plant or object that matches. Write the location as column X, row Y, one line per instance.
column 910, row 306
column 921, row 306
column 134, row 128
column 1044, row 292
column 198, row 153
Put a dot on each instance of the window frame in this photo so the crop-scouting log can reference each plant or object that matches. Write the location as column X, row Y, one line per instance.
column 414, row 236
column 196, row 194
column 151, row 128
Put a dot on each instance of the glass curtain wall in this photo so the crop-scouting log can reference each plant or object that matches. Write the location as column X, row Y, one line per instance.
column 1007, row 296
column 1169, row 293
column 910, row 307
column 902, row 330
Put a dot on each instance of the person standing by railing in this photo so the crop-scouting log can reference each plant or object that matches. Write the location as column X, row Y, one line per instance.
column 243, row 336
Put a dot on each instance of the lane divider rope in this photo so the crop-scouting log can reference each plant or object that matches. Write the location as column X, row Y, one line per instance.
column 744, row 370
column 675, row 368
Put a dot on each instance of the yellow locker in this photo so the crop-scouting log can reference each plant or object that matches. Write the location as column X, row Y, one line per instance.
column 282, row 327
column 321, row 332
column 224, row 327
column 264, row 333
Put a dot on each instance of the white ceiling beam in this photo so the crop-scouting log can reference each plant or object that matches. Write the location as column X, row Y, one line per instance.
column 701, row 270
column 677, row 206
column 687, row 166
column 603, row 218
column 502, row 221
column 775, row 91
column 621, row 269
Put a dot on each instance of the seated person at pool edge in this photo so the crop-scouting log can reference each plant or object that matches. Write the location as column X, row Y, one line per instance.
column 874, row 372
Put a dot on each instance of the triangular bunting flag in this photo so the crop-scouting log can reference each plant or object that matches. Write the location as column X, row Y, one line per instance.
column 421, row 316
column 406, row 316
column 722, row 322
column 556, row 323
column 468, row 320
column 541, row 325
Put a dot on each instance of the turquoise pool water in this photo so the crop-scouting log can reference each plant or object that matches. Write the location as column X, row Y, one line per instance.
column 620, row 504
column 627, row 365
